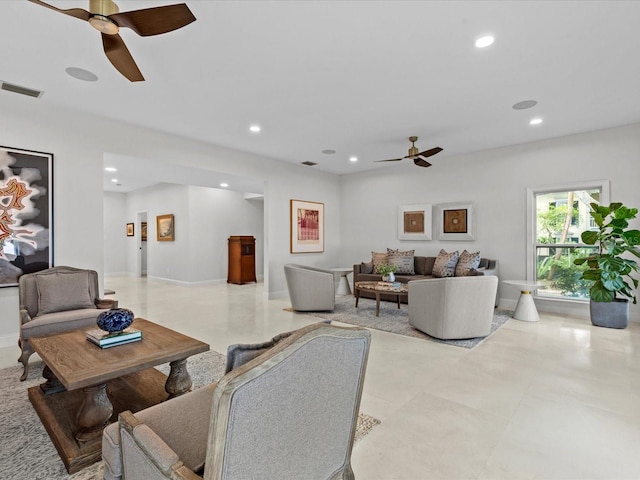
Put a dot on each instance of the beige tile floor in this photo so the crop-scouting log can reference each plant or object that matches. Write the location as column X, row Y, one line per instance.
column 557, row 399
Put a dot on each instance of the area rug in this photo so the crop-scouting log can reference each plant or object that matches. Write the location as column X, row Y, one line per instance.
column 394, row 320
column 28, row 453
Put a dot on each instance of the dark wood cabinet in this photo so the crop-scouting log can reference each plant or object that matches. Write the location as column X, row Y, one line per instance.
column 242, row 259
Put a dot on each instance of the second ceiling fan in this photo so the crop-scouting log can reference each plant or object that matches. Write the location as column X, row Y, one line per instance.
column 418, row 157
column 105, row 16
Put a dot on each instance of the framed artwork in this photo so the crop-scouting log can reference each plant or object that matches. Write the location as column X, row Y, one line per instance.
column 129, row 229
column 165, row 228
column 26, row 213
column 456, row 221
column 143, row 231
column 306, row 226
column 414, row 222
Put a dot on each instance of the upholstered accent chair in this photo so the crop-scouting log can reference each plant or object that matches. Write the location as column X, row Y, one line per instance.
column 57, row 300
column 288, row 414
column 310, row 288
column 454, row 307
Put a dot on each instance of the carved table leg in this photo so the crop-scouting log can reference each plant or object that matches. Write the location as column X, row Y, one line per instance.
column 178, row 381
column 94, row 413
column 52, row 384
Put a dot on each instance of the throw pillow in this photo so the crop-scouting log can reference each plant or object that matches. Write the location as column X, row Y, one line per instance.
column 366, row 267
column 467, row 261
column 445, row 264
column 403, row 261
column 378, row 259
column 59, row 292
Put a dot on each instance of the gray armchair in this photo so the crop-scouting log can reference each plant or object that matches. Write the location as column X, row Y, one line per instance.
column 57, row 300
column 453, row 308
column 310, row 288
column 288, row 414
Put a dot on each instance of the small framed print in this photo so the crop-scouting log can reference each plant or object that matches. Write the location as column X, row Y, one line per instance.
column 165, row 228
column 143, row 231
column 456, row 221
column 414, row 222
column 306, row 225
column 130, row 229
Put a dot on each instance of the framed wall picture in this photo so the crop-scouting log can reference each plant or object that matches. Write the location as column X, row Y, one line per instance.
column 456, row 221
column 26, row 213
column 130, row 230
column 165, row 228
column 306, row 226
column 143, row 231
column 414, row 222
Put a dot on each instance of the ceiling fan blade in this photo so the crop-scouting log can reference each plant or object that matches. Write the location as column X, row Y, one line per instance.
column 118, row 54
column 430, row 152
column 392, row 160
column 154, row 21
column 74, row 12
column 421, row 163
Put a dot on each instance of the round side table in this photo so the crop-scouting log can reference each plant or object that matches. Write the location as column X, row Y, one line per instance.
column 526, row 309
column 343, row 283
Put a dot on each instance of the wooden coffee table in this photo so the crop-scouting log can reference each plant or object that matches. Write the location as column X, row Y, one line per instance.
column 87, row 387
column 377, row 288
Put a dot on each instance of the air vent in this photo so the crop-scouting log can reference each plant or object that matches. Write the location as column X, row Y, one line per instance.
column 9, row 87
column 309, row 164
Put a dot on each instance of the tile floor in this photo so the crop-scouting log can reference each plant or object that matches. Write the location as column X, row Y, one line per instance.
column 556, row 399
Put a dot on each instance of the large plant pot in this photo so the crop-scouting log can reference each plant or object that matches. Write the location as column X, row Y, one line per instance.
column 610, row 314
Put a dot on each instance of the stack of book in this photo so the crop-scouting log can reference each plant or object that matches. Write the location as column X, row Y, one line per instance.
column 111, row 339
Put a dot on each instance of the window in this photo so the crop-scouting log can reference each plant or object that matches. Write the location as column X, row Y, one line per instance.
column 557, row 218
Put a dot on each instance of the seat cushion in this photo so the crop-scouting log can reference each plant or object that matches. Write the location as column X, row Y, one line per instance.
column 60, row 322
column 58, row 292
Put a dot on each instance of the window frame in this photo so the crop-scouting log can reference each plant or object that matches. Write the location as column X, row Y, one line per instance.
column 531, row 230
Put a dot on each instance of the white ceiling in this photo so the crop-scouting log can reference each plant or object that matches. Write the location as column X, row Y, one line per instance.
column 358, row 77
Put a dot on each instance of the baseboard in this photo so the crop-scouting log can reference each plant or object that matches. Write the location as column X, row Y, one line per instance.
column 217, row 281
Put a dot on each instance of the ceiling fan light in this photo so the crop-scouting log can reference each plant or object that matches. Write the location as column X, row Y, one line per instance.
column 104, row 25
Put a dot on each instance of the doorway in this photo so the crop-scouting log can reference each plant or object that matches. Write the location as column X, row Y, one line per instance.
column 141, row 260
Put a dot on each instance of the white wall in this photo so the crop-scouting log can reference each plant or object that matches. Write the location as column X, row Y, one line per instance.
column 204, row 220
column 114, row 233
column 79, row 141
column 496, row 181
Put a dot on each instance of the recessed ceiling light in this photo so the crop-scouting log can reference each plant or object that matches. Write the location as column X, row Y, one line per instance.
column 353, row 159
column 535, row 121
column 523, row 105
column 111, row 169
column 255, row 128
column 114, row 180
column 328, row 151
column 224, row 185
column 81, row 74
column 485, row 41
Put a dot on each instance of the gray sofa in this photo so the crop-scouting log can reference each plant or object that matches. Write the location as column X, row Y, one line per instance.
column 423, row 266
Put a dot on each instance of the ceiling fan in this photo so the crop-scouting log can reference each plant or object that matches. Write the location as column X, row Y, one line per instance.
column 417, row 157
column 105, row 16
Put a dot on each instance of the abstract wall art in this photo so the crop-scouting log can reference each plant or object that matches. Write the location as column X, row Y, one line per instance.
column 306, row 226
column 456, row 221
column 26, row 213
column 414, row 222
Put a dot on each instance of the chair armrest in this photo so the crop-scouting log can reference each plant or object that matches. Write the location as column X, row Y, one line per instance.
column 106, row 303
column 138, row 440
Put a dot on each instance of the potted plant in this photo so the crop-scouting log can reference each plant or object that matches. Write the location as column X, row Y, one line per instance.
column 607, row 268
column 387, row 272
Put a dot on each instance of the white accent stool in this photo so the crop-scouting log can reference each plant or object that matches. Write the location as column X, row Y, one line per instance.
column 526, row 309
column 343, row 283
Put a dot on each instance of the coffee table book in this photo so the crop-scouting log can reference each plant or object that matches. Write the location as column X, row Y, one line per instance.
column 110, row 339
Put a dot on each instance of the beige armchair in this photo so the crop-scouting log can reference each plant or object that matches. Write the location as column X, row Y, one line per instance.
column 453, row 308
column 311, row 289
column 57, row 300
column 288, row 414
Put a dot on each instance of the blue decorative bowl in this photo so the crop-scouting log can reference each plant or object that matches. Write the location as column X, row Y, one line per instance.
column 115, row 319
